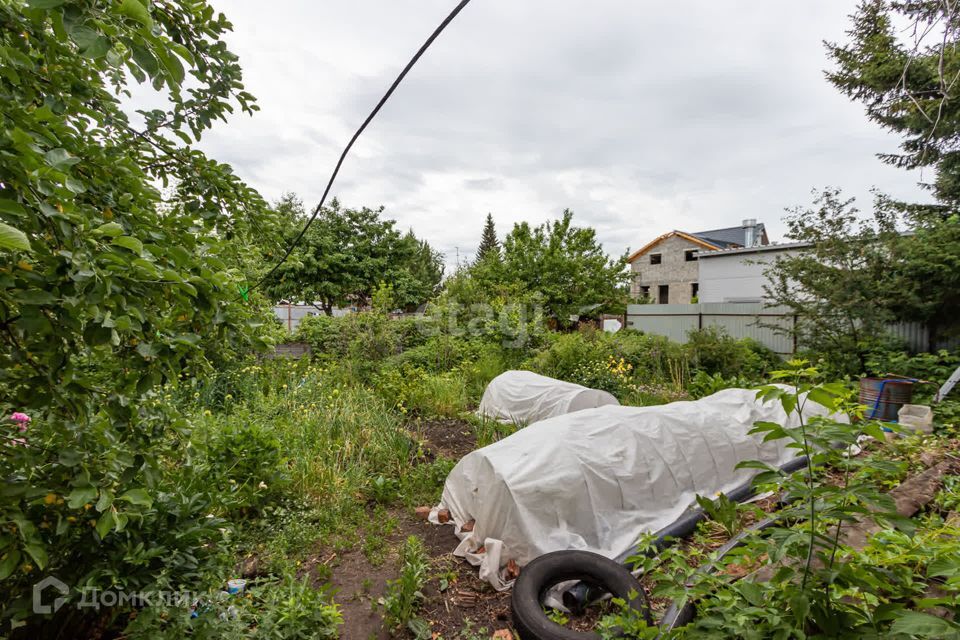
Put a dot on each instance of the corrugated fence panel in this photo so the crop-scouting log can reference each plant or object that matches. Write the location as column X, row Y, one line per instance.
column 740, row 320
column 671, row 320
column 758, row 329
column 914, row 334
column 752, row 320
column 917, row 337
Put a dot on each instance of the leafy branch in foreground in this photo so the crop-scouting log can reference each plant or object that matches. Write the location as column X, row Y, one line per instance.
column 111, row 288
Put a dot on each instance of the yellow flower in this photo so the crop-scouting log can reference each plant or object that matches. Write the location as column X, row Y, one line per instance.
column 50, row 498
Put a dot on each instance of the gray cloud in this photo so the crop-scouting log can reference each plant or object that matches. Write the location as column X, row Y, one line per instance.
column 642, row 117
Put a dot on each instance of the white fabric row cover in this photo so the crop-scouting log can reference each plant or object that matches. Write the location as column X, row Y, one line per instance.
column 596, row 479
column 523, row 397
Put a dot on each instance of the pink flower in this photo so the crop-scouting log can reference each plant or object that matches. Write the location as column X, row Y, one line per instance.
column 18, row 442
column 21, row 419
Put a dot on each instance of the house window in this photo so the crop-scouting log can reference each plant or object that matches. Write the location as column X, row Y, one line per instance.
column 655, row 258
column 663, row 294
column 694, row 290
column 645, row 292
column 690, row 255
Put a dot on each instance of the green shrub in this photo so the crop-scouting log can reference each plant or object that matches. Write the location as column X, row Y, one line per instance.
column 437, row 354
column 242, row 458
column 932, row 367
column 714, row 351
column 94, row 511
column 565, row 353
column 491, row 361
column 704, row 384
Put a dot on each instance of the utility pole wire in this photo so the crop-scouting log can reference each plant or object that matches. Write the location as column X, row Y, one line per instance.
column 376, row 109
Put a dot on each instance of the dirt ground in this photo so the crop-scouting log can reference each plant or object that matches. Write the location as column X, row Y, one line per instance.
column 455, row 598
column 449, row 437
column 458, row 605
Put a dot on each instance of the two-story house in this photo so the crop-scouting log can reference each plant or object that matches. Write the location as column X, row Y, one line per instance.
column 665, row 270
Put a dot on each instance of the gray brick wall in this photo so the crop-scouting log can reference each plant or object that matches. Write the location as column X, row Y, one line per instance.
column 674, row 270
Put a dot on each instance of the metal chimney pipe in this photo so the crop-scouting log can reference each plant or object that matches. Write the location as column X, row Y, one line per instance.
column 750, row 232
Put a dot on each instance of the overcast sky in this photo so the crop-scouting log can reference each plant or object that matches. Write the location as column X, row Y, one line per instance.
column 642, row 117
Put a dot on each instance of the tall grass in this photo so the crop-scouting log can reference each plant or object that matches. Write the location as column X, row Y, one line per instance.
column 333, row 438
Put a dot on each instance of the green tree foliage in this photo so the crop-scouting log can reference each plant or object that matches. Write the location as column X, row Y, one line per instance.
column 425, row 267
column 109, row 287
column 907, row 79
column 347, row 253
column 931, row 272
column 567, row 265
column 863, row 273
column 489, row 245
column 842, row 291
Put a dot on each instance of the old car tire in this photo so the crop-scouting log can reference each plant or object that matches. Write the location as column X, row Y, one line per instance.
column 528, row 617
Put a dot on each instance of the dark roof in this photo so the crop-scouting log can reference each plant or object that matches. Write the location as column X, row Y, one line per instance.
column 731, row 236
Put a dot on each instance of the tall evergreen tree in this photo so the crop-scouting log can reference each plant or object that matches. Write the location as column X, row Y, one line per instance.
column 907, row 79
column 489, row 245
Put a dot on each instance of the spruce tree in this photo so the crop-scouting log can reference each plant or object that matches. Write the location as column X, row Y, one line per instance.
column 489, row 245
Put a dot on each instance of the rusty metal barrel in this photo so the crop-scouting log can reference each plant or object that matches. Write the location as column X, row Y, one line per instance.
column 883, row 397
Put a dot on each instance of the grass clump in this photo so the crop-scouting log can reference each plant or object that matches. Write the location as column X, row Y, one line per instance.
column 403, row 597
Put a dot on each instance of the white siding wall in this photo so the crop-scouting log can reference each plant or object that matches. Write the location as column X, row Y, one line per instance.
column 737, row 277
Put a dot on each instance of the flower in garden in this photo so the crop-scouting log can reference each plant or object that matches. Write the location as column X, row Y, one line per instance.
column 21, row 419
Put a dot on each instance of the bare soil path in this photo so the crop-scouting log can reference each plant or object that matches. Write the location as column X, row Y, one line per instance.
column 455, row 598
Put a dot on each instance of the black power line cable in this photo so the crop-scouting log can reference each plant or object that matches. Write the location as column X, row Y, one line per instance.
column 376, row 109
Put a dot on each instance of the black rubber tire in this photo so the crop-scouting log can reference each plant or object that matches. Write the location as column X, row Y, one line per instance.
column 549, row 569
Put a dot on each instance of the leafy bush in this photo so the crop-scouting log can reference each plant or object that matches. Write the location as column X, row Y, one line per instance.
column 703, row 384
column 242, row 459
column 366, row 336
column 932, row 367
column 714, row 351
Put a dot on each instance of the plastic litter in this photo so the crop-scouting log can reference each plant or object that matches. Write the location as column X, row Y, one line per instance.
column 918, row 417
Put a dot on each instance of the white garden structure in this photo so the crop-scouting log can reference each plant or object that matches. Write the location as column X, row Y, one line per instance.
column 596, row 479
column 524, row 397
